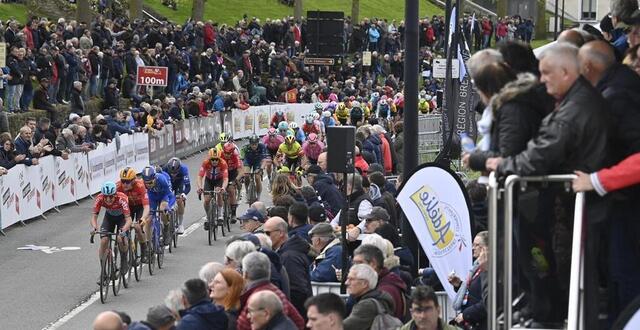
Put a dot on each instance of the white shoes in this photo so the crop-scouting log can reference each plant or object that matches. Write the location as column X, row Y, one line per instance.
column 180, row 230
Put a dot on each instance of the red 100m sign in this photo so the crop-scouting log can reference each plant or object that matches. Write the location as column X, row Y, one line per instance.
column 152, row 75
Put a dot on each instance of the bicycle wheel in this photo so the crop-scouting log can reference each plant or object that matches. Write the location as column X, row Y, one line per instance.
column 211, row 233
column 169, row 232
column 137, row 259
column 175, row 229
column 115, row 271
column 160, row 253
column 251, row 192
column 126, row 275
column 105, row 270
column 225, row 215
column 151, row 255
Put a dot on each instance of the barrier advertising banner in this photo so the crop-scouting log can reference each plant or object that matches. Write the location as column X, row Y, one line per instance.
column 142, row 151
column 81, row 165
column 96, row 168
column 128, row 149
column 11, row 196
column 109, row 161
column 202, row 132
column 237, row 129
column 47, row 171
column 31, row 190
column 436, row 205
column 262, row 119
column 65, row 181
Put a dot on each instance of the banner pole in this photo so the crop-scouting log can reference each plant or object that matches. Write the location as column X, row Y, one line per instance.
column 44, row 217
column 2, row 232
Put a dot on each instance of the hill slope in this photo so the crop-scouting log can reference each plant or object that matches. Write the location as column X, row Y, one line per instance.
column 229, row 11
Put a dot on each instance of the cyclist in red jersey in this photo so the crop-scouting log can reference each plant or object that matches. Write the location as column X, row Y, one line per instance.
column 117, row 214
column 135, row 190
column 236, row 169
column 213, row 175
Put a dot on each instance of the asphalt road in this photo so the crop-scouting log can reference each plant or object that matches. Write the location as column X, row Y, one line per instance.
column 57, row 290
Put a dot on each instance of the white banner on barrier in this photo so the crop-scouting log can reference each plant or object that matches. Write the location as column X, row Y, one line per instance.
column 121, row 156
column 65, row 181
column 126, row 148
column 11, row 196
column 31, row 190
column 141, row 151
column 217, row 122
column 47, row 171
column 237, row 127
column 262, row 117
column 96, row 168
column 110, row 157
column 435, row 204
column 202, row 131
column 81, row 165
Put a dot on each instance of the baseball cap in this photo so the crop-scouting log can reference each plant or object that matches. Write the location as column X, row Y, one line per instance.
column 252, row 214
column 378, row 213
column 159, row 316
column 322, row 229
column 317, row 213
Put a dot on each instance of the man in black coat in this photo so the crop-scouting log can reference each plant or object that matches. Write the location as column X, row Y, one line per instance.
column 77, row 103
column 573, row 137
column 293, row 253
column 41, row 100
column 620, row 87
column 325, row 188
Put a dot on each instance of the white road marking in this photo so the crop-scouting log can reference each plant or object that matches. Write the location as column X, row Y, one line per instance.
column 66, row 317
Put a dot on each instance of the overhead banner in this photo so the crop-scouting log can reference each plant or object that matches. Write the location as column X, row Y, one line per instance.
column 65, row 181
column 31, row 190
column 11, row 196
column 436, row 205
column 47, row 171
column 82, row 177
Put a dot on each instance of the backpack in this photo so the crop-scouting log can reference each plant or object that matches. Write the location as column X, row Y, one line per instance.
column 384, row 320
column 356, row 113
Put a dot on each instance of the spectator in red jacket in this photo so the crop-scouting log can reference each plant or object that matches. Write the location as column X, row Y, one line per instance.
column 386, row 148
column 361, row 165
column 622, row 175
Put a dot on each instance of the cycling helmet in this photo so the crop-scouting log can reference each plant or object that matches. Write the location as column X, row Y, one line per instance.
column 315, row 116
column 290, row 139
column 284, row 169
column 214, row 154
column 313, row 138
column 355, row 104
column 429, row 97
column 222, row 137
column 174, row 165
column 279, row 113
column 229, row 147
column 229, row 137
column 309, row 120
column 326, row 114
column 318, row 106
column 283, row 125
column 383, row 102
column 148, row 173
column 108, row 188
column 272, row 131
column 341, row 106
column 375, row 95
column 254, row 139
column 127, row 174
column 293, row 125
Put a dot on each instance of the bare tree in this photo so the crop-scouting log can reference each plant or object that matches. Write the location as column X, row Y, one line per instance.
column 197, row 11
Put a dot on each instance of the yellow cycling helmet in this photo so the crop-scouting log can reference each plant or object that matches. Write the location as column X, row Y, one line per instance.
column 127, row 174
column 214, row 154
column 284, row 169
column 289, row 138
column 341, row 106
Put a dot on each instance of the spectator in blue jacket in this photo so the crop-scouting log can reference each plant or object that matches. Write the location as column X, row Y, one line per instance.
column 23, row 145
column 329, row 249
column 116, row 123
column 218, row 103
column 323, row 184
column 200, row 312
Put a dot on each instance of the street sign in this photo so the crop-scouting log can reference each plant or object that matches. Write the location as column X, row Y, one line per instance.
column 152, row 75
column 3, row 54
column 366, row 58
column 440, row 68
column 319, row 61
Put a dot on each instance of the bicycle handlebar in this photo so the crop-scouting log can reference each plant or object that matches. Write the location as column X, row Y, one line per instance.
column 100, row 232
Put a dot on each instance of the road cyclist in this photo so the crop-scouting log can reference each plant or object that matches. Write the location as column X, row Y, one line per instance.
column 136, row 192
column 254, row 155
column 181, row 185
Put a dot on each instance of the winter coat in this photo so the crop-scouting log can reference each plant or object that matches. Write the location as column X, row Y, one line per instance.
column 288, row 310
column 441, row 326
column 321, row 270
column 280, row 322
column 115, row 126
column 203, row 315
column 77, row 103
column 398, row 147
column 518, row 111
column 22, row 148
column 323, row 184
column 365, row 310
column 7, row 158
column 373, row 144
column 293, row 254
column 301, row 231
column 392, row 284
column 386, row 154
column 279, row 274
column 111, row 98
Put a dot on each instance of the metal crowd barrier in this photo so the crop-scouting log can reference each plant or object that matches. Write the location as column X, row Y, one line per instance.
column 576, row 286
column 429, row 134
column 446, row 305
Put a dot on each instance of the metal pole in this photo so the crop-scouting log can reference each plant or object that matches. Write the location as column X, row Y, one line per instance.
column 555, row 21
column 562, row 18
column 493, row 248
column 411, row 86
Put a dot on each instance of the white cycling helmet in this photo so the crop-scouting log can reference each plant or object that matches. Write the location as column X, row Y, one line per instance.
column 326, row 114
column 293, row 125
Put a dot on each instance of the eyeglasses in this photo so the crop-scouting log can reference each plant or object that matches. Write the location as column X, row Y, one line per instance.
column 268, row 233
column 215, row 160
column 126, row 181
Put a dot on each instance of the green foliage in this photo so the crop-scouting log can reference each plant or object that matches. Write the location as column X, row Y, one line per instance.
column 13, row 10
column 229, row 11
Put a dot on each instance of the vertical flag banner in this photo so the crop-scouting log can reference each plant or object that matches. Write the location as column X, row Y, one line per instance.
column 436, row 205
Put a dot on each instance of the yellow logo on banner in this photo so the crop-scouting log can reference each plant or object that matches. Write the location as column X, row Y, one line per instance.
column 438, row 217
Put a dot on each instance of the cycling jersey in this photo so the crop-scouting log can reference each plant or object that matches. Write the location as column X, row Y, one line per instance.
column 273, row 143
column 233, row 161
column 180, row 181
column 308, row 129
column 161, row 192
column 299, row 135
column 253, row 158
column 342, row 114
column 137, row 194
column 275, row 120
column 118, row 206
column 291, row 151
column 312, row 150
column 211, row 172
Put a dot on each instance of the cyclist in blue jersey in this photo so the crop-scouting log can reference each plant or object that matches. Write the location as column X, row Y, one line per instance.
column 253, row 156
column 181, row 184
column 161, row 198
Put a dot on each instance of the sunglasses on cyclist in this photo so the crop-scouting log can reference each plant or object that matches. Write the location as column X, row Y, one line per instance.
column 215, row 160
column 150, row 183
column 126, row 181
